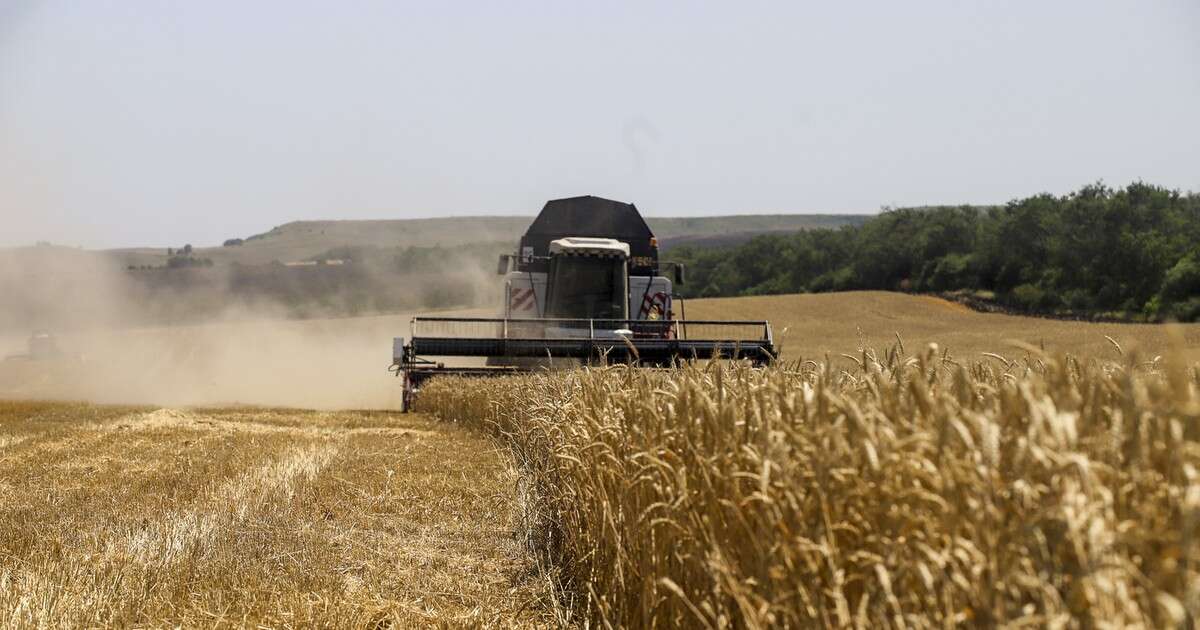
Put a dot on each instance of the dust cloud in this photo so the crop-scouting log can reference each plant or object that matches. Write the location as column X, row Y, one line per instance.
column 240, row 352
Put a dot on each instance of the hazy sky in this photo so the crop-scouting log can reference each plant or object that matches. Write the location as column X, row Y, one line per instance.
column 130, row 122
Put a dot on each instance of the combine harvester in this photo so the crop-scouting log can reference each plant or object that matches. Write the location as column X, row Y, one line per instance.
column 42, row 347
column 585, row 287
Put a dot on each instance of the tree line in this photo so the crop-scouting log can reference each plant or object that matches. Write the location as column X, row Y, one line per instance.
column 1131, row 253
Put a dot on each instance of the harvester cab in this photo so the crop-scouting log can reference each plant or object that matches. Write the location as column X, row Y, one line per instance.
column 43, row 346
column 584, row 286
column 588, row 279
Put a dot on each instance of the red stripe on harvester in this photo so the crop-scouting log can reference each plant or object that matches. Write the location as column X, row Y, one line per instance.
column 521, row 299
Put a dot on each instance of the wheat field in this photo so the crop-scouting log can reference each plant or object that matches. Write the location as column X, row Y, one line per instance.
column 911, row 490
column 811, row 326
column 1029, row 472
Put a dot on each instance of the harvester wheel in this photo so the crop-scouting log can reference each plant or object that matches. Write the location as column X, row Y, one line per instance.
column 406, row 396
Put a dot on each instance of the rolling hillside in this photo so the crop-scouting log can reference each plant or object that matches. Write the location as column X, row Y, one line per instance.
column 395, row 265
column 301, row 240
column 810, row 326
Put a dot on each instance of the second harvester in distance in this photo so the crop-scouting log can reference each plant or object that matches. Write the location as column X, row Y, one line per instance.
column 585, row 285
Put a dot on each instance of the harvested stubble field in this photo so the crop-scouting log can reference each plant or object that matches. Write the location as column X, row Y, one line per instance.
column 114, row 516
column 908, row 491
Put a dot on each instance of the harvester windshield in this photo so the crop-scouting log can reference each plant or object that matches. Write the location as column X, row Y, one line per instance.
column 588, row 287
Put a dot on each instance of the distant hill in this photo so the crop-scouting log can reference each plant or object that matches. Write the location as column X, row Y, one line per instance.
column 306, row 269
column 302, row 240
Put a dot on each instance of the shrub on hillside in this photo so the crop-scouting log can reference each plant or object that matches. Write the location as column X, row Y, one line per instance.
column 1182, row 281
column 951, row 272
column 1031, row 297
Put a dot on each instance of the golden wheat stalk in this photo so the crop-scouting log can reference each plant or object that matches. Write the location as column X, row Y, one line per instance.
column 913, row 491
